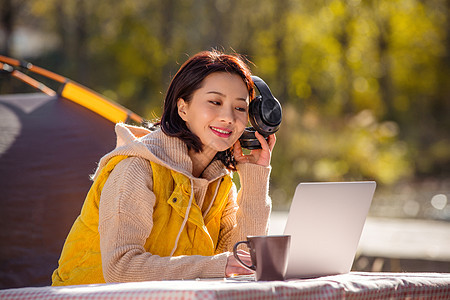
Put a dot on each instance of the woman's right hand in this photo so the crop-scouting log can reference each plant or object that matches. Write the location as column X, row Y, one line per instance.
column 233, row 267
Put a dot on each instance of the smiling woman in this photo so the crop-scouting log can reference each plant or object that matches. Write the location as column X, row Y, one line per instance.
column 216, row 114
column 163, row 204
column 189, row 79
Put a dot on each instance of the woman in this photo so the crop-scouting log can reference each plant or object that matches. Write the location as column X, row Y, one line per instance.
column 163, row 205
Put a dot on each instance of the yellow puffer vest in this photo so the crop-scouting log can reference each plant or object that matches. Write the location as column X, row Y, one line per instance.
column 80, row 261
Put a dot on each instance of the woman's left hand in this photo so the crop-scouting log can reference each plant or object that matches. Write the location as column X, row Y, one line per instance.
column 257, row 156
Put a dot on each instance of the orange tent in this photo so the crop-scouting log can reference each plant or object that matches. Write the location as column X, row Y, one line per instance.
column 49, row 145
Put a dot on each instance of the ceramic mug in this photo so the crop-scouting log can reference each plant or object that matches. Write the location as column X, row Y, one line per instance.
column 269, row 254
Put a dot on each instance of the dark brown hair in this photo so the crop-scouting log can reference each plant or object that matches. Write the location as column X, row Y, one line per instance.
column 186, row 81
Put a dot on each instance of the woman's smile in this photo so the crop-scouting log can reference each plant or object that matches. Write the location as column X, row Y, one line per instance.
column 221, row 132
column 218, row 111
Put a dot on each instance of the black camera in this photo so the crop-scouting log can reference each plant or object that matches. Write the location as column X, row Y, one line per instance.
column 264, row 115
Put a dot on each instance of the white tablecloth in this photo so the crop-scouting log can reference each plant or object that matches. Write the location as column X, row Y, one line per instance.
column 355, row 285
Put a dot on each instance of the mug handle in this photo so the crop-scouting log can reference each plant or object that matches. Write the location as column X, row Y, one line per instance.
column 252, row 267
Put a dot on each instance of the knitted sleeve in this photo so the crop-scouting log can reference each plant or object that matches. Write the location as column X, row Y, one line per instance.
column 125, row 222
column 248, row 212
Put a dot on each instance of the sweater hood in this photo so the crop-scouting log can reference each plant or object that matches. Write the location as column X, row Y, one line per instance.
column 155, row 146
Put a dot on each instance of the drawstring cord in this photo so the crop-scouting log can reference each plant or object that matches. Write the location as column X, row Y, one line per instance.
column 186, row 216
column 188, row 209
column 212, row 200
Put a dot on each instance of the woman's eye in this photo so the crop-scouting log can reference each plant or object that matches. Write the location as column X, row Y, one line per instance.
column 243, row 109
column 214, row 102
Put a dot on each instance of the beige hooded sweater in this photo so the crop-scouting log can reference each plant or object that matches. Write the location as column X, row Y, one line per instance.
column 127, row 201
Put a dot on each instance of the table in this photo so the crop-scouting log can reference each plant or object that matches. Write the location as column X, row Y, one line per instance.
column 354, row 285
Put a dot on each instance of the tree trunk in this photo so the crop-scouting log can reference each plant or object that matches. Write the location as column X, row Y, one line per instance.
column 282, row 72
column 7, row 21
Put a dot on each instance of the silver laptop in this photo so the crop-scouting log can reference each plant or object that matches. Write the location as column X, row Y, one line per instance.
column 325, row 222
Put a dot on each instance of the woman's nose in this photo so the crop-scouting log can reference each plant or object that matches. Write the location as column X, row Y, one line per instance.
column 227, row 115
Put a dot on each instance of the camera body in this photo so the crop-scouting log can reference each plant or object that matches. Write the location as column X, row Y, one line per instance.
column 264, row 114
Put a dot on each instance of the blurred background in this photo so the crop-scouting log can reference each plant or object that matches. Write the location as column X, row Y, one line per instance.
column 364, row 84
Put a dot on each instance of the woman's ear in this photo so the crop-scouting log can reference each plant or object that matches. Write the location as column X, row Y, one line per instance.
column 182, row 105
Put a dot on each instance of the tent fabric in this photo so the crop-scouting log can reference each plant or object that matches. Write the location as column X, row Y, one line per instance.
column 97, row 103
column 48, row 148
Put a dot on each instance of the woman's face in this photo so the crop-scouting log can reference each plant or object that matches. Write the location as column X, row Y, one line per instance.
column 218, row 111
